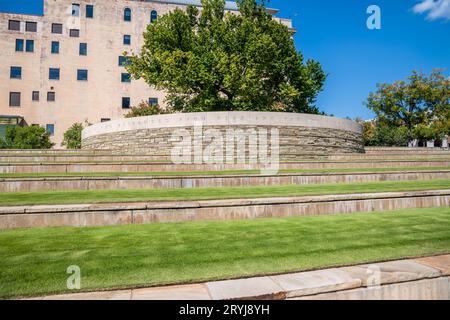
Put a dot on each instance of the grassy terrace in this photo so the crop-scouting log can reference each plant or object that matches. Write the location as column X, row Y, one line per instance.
column 34, row 261
column 140, row 195
column 212, row 173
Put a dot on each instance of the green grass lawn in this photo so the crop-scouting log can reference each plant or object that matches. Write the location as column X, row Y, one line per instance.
column 209, row 173
column 34, row 261
column 140, row 195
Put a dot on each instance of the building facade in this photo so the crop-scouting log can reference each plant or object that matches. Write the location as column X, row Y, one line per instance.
column 66, row 66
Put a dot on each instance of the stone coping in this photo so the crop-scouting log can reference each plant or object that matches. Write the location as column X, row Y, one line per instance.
column 103, row 207
column 80, row 177
column 235, row 118
column 290, row 286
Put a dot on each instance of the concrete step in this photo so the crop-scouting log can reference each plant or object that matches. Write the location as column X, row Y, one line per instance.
column 170, row 167
column 169, row 182
column 426, row 278
column 84, row 215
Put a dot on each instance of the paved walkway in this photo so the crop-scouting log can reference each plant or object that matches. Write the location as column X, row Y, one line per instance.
column 424, row 278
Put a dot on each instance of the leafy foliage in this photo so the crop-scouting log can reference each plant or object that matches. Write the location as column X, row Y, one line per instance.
column 383, row 135
column 33, row 137
column 420, row 104
column 72, row 137
column 218, row 61
column 144, row 109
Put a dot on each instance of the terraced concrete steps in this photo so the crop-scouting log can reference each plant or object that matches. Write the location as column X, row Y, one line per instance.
column 30, row 184
column 214, row 210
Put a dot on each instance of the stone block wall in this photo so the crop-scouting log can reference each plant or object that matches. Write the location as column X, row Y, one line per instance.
column 300, row 136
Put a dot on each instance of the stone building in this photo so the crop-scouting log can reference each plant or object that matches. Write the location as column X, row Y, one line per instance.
column 65, row 66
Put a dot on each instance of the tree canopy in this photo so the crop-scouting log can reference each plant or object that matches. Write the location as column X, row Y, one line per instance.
column 421, row 104
column 213, row 60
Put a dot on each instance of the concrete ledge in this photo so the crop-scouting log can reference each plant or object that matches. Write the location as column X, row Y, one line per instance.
column 402, row 279
column 161, row 182
column 215, row 210
column 167, row 166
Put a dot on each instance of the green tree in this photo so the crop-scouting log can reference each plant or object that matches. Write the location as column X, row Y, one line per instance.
column 33, row 137
column 72, row 137
column 144, row 109
column 421, row 104
column 217, row 61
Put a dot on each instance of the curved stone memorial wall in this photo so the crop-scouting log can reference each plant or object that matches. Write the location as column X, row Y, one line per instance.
column 296, row 136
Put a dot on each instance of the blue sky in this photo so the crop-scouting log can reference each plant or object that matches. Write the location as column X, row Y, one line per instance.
column 356, row 58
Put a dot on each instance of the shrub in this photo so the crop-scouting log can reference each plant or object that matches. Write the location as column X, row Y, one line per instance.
column 33, row 137
column 144, row 109
column 72, row 137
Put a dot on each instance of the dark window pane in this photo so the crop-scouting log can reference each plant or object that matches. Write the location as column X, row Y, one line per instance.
column 57, row 28
column 35, row 96
column 89, row 11
column 123, row 61
column 31, row 26
column 127, row 39
column 83, row 49
column 16, row 73
column 19, row 45
column 153, row 101
column 105, row 119
column 127, row 14
column 53, row 74
column 75, row 33
column 30, row 46
column 50, row 96
column 153, row 16
column 126, row 77
column 55, row 47
column 82, row 75
column 50, row 128
column 14, row 99
column 14, row 25
column 126, row 102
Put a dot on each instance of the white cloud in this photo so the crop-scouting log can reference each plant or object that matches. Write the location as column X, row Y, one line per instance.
column 435, row 9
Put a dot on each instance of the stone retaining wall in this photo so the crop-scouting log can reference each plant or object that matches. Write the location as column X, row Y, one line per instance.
column 300, row 135
column 85, row 215
column 103, row 183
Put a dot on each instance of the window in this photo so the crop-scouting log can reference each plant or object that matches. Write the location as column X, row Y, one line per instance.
column 126, row 77
column 123, row 61
column 31, row 26
column 55, row 47
column 127, row 40
column 89, row 11
column 105, row 120
column 19, row 45
column 35, row 96
column 83, row 49
column 53, row 74
column 50, row 96
column 126, row 103
column 14, row 99
column 74, row 33
column 30, row 46
column 50, row 128
column 82, row 75
column 57, row 28
column 16, row 73
column 75, row 10
column 153, row 101
column 127, row 14
column 14, row 25
column 153, row 16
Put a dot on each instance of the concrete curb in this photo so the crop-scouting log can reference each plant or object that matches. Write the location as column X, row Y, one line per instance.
column 423, row 278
